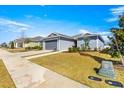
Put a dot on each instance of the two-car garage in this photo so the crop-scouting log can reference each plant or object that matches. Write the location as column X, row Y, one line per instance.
column 51, row 45
column 56, row 41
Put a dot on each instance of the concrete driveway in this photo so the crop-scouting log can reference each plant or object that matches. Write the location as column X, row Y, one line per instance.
column 26, row 74
column 31, row 53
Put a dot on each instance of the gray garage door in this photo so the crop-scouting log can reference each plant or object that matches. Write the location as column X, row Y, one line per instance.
column 51, row 45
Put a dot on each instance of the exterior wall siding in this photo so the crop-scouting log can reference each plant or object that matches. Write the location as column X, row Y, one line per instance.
column 32, row 44
column 92, row 44
column 65, row 44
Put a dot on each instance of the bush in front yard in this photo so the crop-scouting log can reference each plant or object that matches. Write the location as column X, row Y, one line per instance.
column 38, row 47
column 73, row 49
column 28, row 48
column 35, row 47
column 70, row 49
column 11, row 45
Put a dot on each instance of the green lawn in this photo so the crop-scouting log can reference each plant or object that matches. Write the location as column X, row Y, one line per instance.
column 5, row 79
column 79, row 66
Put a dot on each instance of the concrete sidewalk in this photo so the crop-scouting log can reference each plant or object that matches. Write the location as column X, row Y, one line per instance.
column 26, row 74
column 32, row 53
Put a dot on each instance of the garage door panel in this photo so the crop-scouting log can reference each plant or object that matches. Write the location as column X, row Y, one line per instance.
column 51, row 45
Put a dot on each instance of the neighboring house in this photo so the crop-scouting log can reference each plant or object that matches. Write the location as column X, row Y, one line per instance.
column 28, row 42
column 95, row 41
column 57, row 41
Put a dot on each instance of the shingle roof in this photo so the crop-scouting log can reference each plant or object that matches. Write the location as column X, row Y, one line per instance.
column 38, row 38
column 52, row 35
column 34, row 39
column 88, row 35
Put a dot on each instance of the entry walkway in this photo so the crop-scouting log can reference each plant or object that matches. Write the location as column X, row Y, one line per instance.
column 26, row 74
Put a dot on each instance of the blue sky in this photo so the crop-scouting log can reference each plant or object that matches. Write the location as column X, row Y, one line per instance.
column 70, row 20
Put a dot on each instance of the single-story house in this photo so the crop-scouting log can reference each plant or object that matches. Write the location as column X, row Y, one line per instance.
column 28, row 42
column 57, row 41
column 95, row 41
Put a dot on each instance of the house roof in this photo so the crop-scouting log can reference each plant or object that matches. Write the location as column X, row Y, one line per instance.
column 54, row 35
column 20, row 40
column 34, row 39
column 38, row 38
column 88, row 36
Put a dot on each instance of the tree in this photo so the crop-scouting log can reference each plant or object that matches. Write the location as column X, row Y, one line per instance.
column 121, row 21
column 117, row 40
column 12, row 44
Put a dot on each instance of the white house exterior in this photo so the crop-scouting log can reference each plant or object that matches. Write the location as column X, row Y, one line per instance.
column 95, row 41
column 35, row 41
column 57, row 41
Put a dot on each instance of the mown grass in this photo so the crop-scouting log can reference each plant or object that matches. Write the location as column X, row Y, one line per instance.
column 5, row 79
column 79, row 66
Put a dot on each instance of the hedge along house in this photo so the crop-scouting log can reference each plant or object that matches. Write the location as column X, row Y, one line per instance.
column 57, row 41
column 28, row 42
column 95, row 41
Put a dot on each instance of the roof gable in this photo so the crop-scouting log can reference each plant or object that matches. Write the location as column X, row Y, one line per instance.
column 53, row 35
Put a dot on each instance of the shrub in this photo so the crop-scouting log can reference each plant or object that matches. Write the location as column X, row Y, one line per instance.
column 39, row 47
column 11, row 45
column 78, row 48
column 106, row 50
column 95, row 49
column 70, row 49
column 115, row 55
column 35, row 47
column 73, row 49
column 27, row 48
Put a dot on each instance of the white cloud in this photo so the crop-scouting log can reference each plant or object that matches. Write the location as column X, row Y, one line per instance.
column 84, row 31
column 115, row 13
column 104, row 33
column 10, row 25
column 118, row 10
column 10, row 22
column 112, row 19
column 22, row 29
